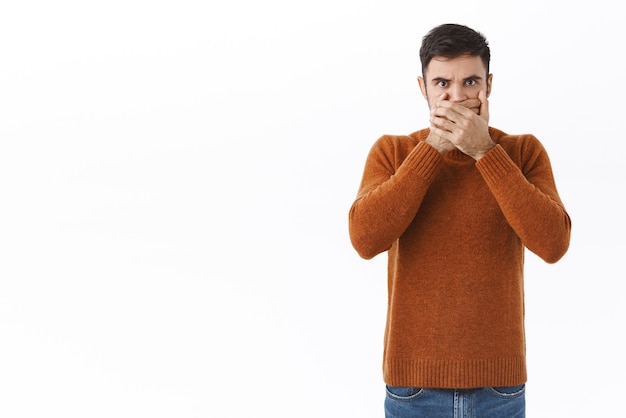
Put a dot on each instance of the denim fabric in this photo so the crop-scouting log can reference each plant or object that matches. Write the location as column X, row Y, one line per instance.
column 489, row 402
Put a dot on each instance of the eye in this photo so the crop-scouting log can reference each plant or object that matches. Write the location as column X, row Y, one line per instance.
column 442, row 83
column 471, row 82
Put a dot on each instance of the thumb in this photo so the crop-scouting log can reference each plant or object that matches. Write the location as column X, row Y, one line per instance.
column 441, row 97
column 484, row 105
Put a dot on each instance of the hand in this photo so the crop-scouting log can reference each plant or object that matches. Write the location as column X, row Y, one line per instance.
column 436, row 141
column 463, row 127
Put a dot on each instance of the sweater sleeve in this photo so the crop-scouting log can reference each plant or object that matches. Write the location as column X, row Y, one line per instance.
column 528, row 198
column 390, row 194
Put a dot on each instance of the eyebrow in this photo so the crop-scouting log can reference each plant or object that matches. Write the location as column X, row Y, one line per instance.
column 472, row 77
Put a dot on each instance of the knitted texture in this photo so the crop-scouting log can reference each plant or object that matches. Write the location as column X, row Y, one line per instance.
column 455, row 231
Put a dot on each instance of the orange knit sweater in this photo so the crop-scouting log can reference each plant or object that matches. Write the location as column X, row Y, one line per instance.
column 455, row 231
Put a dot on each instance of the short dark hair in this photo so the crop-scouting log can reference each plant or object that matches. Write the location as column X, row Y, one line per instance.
column 452, row 40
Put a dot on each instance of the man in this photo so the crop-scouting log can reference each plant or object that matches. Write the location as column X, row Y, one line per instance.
column 454, row 206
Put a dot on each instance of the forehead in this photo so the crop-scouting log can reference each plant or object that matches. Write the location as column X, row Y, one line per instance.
column 458, row 67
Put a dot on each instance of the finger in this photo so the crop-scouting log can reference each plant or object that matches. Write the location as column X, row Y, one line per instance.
column 442, row 112
column 472, row 104
column 453, row 111
column 442, row 123
column 438, row 132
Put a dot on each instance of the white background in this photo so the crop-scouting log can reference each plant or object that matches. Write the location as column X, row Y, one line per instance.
column 175, row 179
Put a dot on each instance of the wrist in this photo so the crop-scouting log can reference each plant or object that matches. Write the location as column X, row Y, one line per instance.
column 440, row 145
column 477, row 156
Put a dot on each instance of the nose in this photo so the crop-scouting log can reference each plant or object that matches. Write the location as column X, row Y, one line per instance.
column 457, row 93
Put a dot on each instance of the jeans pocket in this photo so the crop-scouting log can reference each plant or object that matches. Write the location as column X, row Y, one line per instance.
column 404, row 393
column 508, row 392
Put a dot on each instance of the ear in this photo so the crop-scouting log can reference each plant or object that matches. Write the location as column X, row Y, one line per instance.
column 422, row 84
column 489, row 79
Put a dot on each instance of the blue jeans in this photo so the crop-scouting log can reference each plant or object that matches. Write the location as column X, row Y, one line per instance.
column 500, row 402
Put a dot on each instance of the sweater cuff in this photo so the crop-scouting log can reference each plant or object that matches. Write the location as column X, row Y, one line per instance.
column 424, row 161
column 495, row 165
